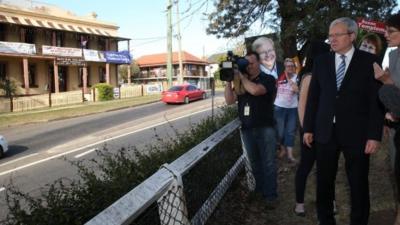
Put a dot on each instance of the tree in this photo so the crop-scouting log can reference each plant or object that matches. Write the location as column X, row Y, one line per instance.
column 123, row 71
column 10, row 90
column 296, row 21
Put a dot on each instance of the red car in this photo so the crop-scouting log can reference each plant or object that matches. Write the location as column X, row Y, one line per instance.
column 183, row 94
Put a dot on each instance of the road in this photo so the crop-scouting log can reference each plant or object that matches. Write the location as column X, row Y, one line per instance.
column 40, row 153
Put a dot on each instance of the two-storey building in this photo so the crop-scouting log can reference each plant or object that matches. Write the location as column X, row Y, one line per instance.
column 153, row 68
column 45, row 48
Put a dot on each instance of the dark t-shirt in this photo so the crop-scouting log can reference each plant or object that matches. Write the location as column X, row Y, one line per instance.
column 259, row 109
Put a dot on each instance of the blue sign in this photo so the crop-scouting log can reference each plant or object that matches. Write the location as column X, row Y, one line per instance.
column 122, row 57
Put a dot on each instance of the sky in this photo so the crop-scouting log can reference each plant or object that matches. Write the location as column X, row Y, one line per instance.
column 145, row 22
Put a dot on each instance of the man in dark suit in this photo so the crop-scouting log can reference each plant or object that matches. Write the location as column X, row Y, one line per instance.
column 343, row 114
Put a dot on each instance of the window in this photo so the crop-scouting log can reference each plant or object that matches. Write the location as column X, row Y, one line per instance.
column 3, row 71
column 32, row 75
column 80, row 76
column 2, row 32
column 102, row 74
column 29, row 35
column 101, row 44
column 59, row 39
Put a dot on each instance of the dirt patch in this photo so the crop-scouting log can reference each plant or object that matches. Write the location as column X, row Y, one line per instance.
column 238, row 206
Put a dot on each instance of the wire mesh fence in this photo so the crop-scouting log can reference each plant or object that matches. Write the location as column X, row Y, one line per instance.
column 203, row 178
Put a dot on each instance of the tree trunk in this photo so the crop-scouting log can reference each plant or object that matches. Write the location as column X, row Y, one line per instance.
column 289, row 23
column 11, row 104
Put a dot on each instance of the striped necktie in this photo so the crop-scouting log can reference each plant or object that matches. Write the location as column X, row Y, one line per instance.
column 340, row 71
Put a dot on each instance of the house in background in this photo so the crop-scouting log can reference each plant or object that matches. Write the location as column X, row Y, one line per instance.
column 153, row 69
column 45, row 48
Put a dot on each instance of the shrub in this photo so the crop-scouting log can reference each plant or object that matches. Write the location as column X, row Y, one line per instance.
column 106, row 91
column 105, row 179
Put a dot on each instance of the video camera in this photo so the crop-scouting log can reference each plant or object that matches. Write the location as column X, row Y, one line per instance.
column 232, row 62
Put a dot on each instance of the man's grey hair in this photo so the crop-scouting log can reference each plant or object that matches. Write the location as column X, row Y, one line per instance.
column 350, row 24
column 260, row 41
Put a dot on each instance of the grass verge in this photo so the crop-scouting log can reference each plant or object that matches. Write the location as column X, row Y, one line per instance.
column 54, row 113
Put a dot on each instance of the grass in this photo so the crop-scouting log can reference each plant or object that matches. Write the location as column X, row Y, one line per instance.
column 55, row 113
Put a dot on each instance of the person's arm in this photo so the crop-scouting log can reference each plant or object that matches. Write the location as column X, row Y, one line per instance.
column 230, row 96
column 305, row 83
column 312, row 102
column 376, row 115
column 251, row 87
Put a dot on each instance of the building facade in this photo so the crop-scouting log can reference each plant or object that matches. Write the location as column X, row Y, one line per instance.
column 45, row 48
column 153, row 68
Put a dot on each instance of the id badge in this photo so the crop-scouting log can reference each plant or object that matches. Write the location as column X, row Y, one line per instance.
column 247, row 110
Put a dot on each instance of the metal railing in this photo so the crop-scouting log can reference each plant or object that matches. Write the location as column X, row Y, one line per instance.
column 166, row 188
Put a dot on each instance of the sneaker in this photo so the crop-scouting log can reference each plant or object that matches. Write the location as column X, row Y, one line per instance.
column 299, row 210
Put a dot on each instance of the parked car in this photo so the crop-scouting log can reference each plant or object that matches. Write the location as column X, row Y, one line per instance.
column 3, row 146
column 183, row 94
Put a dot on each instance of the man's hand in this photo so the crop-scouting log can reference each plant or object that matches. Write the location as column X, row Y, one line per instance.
column 382, row 75
column 371, row 147
column 308, row 139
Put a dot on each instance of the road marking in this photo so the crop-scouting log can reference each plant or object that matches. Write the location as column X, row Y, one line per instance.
column 19, row 159
column 2, row 189
column 96, row 143
column 85, row 153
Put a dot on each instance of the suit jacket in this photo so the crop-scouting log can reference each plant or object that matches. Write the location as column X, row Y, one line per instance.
column 394, row 66
column 355, row 106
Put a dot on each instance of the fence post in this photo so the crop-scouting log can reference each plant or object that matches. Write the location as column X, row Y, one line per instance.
column 94, row 94
column 172, row 205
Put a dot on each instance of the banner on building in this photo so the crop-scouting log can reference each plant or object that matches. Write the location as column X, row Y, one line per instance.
column 17, row 48
column 93, row 55
column 122, row 57
column 154, row 88
column 62, row 61
column 61, row 51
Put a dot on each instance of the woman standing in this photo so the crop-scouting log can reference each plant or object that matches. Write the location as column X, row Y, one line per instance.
column 285, row 111
column 391, row 76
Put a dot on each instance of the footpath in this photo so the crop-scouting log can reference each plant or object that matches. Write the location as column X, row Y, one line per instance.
column 237, row 208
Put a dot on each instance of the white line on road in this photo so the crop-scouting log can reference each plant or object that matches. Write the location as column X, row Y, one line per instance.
column 19, row 159
column 96, row 143
column 85, row 153
column 2, row 189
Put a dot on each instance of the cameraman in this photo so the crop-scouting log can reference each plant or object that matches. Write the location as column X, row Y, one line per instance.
column 257, row 132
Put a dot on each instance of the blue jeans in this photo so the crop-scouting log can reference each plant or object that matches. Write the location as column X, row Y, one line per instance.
column 286, row 119
column 260, row 148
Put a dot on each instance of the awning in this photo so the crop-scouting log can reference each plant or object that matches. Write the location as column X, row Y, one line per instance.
column 20, row 20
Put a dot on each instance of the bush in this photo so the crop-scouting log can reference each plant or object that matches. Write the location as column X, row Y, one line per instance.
column 105, row 179
column 106, row 91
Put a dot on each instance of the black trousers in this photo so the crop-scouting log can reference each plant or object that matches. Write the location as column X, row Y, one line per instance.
column 307, row 160
column 357, row 167
column 397, row 163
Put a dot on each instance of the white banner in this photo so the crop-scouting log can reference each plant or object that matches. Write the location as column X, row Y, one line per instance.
column 16, row 47
column 93, row 55
column 61, row 51
column 154, row 88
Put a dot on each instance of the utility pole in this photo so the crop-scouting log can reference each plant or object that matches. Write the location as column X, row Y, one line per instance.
column 179, row 37
column 169, row 43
